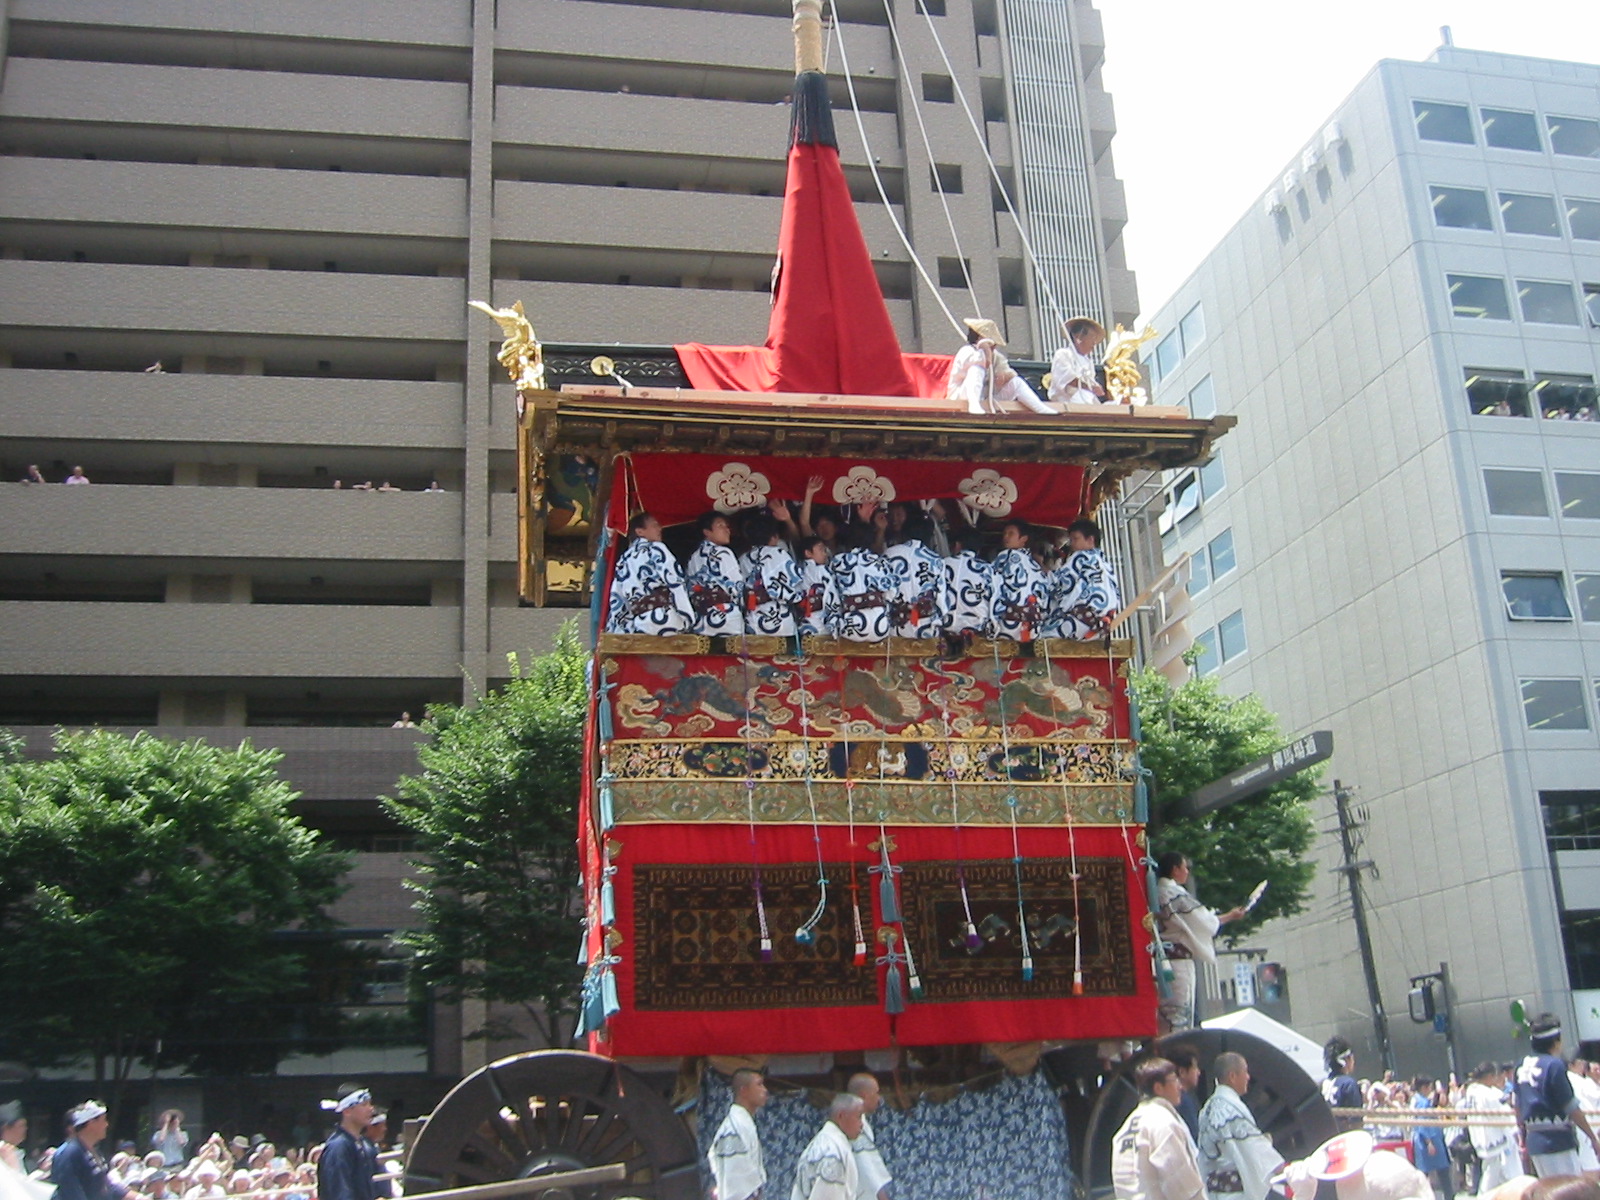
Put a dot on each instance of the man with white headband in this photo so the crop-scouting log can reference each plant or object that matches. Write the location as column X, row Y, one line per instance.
column 77, row 1169
column 349, row 1162
column 1547, row 1108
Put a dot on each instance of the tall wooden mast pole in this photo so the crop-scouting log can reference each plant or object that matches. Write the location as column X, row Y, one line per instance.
column 807, row 36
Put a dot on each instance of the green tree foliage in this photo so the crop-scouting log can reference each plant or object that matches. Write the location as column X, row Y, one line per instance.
column 494, row 814
column 144, row 884
column 1195, row 734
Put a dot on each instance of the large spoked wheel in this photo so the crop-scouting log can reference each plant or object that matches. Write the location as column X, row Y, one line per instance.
column 552, row 1111
column 1287, row 1103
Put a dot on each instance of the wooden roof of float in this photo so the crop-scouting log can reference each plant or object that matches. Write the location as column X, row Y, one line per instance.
column 605, row 421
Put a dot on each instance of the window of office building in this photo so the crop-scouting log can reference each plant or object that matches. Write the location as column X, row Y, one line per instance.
column 1578, row 493
column 1564, row 396
column 1522, row 212
column 1479, row 297
column 1545, row 303
column 1213, row 479
column 1506, row 129
column 1203, row 399
column 1588, row 589
column 1535, row 596
column 1574, row 135
column 1583, row 219
column 1460, row 208
column 1591, row 303
column 1221, row 553
column 1443, row 122
column 1169, row 353
column 1192, row 329
column 1552, row 704
column 1185, row 500
column 1199, row 572
column 1514, row 493
column 1580, row 937
column 1493, row 393
column 1206, row 661
column 1230, row 636
column 1571, row 819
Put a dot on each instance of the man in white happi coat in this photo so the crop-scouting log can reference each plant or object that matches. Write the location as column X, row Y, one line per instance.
column 979, row 361
column 1083, row 590
column 647, row 592
column 1236, row 1158
column 1187, row 929
column 737, row 1169
column 872, row 1177
column 918, row 609
column 1152, row 1155
column 1020, row 605
column 969, row 592
column 1588, row 1093
column 1072, row 373
column 863, row 589
column 827, row 1167
column 716, row 586
column 1499, row 1160
column 771, row 580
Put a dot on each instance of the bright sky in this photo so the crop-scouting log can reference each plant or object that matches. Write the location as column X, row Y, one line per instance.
column 1214, row 100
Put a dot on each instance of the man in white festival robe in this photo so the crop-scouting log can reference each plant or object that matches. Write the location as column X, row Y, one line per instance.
column 716, row 586
column 969, row 593
column 771, row 580
column 1072, row 373
column 737, row 1169
column 872, row 1176
column 1236, row 1158
column 918, row 610
column 976, row 362
column 1187, row 929
column 647, row 592
column 1021, row 599
column 1152, row 1155
column 1083, row 590
column 826, row 1169
column 1499, row 1159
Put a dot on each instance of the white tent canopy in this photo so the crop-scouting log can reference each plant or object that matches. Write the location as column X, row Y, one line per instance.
column 1305, row 1053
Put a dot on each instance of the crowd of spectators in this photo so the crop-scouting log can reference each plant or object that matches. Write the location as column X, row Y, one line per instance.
column 173, row 1166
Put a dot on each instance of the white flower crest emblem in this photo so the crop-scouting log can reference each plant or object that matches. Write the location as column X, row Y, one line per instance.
column 736, row 486
column 862, row 485
column 989, row 492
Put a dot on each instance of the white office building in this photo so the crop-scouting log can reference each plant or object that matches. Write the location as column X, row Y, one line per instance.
column 1401, row 540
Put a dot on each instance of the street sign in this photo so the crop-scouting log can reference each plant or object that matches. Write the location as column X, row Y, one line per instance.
column 1261, row 774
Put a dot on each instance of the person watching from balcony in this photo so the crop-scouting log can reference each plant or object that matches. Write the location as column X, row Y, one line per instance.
column 77, row 476
column 34, row 475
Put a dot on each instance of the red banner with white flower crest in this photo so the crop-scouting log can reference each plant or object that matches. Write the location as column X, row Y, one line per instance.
column 679, row 487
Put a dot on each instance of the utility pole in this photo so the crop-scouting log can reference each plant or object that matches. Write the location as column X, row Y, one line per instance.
column 1352, row 869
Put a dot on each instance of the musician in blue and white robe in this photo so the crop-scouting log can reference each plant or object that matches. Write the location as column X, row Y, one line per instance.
column 816, row 585
column 1021, row 601
column 1083, row 590
column 863, row 589
column 716, row 589
column 918, row 610
column 969, row 593
column 647, row 592
column 771, row 581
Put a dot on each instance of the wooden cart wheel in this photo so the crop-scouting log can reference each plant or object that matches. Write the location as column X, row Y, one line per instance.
column 551, row 1111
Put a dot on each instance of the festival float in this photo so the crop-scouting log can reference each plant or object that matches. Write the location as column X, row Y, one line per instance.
column 821, row 855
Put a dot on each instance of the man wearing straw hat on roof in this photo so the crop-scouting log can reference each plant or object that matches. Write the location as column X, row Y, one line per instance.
column 1072, row 372
column 349, row 1162
column 980, row 374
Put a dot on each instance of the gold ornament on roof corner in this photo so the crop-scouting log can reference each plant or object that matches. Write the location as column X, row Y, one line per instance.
column 1122, row 369
column 520, row 354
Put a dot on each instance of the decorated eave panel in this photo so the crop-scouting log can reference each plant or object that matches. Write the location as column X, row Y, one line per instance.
column 608, row 421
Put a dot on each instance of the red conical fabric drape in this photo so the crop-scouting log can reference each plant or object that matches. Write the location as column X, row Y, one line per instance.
column 830, row 329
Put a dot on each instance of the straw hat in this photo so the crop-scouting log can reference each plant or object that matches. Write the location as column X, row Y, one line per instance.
column 985, row 328
column 1099, row 329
